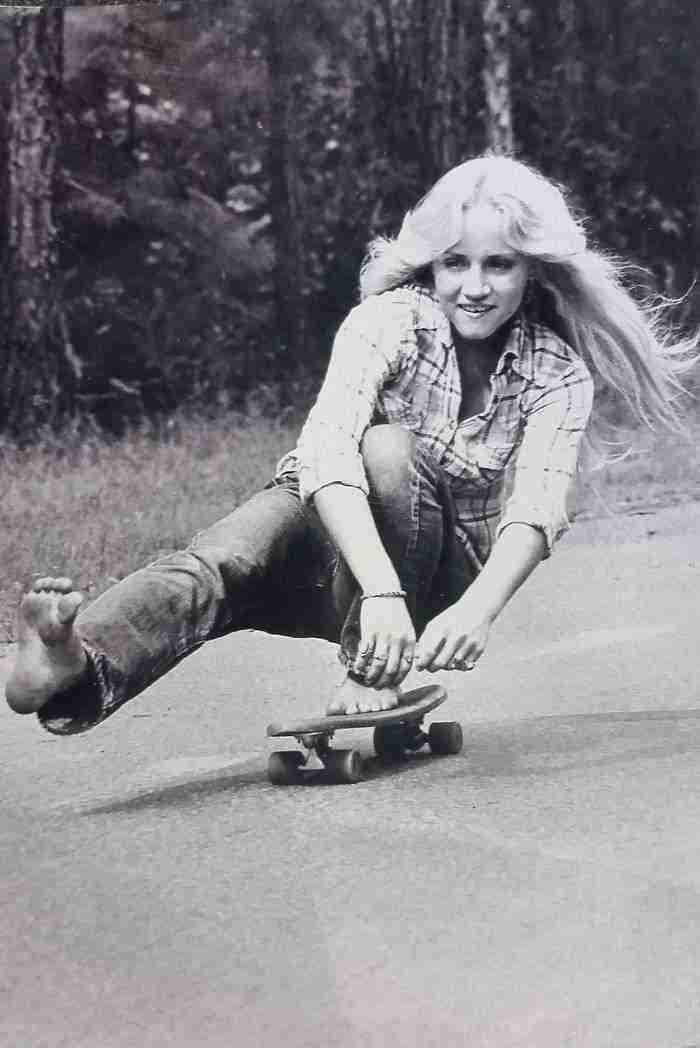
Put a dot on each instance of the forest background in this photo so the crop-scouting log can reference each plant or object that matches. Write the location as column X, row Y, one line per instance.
column 188, row 192
column 190, row 188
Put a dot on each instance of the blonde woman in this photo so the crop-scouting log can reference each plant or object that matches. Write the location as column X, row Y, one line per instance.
column 483, row 328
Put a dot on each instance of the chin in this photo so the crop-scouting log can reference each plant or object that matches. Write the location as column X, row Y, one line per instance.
column 477, row 329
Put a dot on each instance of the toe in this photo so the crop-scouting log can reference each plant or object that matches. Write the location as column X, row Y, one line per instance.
column 63, row 585
column 44, row 583
column 30, row 607
column 67, row 607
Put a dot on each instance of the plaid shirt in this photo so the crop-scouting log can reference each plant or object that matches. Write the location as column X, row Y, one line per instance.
column 394, row 360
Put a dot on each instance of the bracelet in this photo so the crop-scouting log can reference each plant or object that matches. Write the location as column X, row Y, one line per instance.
column 389, row 593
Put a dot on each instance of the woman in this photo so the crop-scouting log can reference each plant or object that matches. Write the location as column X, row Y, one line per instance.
column 481, row 330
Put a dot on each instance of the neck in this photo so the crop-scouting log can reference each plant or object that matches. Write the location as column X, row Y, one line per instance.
column 487, row 349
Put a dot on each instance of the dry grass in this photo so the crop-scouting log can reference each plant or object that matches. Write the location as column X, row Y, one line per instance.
column 95, row 511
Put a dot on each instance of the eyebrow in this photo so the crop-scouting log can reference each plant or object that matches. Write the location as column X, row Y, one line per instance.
column 506, row 253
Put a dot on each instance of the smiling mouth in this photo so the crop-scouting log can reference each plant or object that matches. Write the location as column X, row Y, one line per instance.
column 476, row 311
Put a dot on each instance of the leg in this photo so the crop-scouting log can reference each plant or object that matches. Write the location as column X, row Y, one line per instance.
column 415, row 516
column 148, row 622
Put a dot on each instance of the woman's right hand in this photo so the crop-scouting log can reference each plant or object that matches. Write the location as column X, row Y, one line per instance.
column 387, row 642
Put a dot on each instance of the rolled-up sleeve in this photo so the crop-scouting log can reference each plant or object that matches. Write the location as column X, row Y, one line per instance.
column 555, row 422
column 370, row 347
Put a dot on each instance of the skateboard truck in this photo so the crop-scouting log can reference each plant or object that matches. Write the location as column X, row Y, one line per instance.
column 284, row 767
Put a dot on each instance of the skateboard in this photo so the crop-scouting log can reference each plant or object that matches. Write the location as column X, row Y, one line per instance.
column 396, row 732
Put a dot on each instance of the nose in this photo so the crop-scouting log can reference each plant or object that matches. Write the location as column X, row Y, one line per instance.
column 475, row 285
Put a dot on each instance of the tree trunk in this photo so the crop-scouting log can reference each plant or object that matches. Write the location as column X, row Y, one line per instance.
column 31, row 379
column 499, row 122
column 284, row 208
column 456, row 67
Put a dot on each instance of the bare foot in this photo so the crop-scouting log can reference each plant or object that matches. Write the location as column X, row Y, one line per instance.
column 354, row 697
column 50, row 655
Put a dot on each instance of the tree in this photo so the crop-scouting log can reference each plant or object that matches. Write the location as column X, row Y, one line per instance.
column 33, row 362
column 278, row 25
column 499, row 121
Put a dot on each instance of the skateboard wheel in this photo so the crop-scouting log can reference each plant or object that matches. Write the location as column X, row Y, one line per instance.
column 344, row 765
column 445, row 737
column 283, row 767
column 389, row 743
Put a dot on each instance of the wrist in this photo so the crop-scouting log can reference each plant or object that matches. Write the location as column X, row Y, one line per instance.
column 378, row 581
column 480, row 604
column 395, row 594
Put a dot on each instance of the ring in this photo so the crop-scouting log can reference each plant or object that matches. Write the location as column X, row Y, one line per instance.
column 461, row 664
column 379, row 658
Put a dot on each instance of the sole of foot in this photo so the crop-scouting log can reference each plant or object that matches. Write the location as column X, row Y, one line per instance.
column 50, row 655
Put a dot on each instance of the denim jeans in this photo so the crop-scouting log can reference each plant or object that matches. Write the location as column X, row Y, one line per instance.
column 269, row 565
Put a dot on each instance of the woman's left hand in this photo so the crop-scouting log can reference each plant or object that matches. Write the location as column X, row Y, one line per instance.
column 454, row 640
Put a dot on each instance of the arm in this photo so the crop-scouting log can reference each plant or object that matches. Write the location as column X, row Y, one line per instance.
column 386, row 626
column 461, row 632
column 375, row 342
column 534, row 518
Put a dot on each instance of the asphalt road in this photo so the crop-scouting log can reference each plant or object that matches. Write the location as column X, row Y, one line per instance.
column 541, row 889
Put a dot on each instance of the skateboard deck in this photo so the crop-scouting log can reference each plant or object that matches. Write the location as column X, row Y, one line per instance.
column 412, row 704
column 396, row 732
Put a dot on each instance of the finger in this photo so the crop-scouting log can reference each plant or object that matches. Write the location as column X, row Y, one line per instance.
column 431, row 658
column 427, row 652
column 375, row 668
column 364, row 655
column 405, row 664
column 461, row 664
column 446, row 656
column 392, row 665
column 465, row 658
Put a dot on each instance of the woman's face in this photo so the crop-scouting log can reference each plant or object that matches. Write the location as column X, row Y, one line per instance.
column 480, row 282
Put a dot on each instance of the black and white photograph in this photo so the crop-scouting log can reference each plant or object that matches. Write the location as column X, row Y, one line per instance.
column 350, row 524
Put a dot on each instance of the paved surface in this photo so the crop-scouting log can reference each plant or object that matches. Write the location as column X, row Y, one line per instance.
column 542, row 889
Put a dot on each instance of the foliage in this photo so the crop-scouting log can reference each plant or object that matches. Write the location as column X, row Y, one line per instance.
column 224, row 164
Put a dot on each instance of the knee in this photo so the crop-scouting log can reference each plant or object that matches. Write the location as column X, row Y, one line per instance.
column 387, row 453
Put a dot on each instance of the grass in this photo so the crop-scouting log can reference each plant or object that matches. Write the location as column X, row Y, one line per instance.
column 96, row 510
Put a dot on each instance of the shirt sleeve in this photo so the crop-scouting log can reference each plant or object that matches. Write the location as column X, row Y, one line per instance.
column 371, row 346
column 556, row 419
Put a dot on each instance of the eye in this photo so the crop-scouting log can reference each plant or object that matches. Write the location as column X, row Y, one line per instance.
column 502, row 263
column 454, row 262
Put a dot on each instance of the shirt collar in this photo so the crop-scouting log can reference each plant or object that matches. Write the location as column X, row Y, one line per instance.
column 518, row 350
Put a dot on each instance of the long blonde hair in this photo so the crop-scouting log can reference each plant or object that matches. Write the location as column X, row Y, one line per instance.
column 628, row 342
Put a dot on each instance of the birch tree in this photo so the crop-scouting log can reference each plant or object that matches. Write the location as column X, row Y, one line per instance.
column 499, row 120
